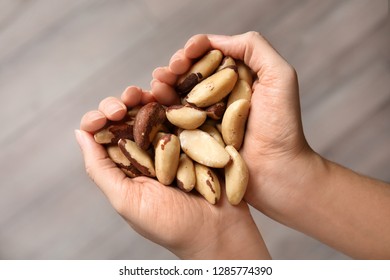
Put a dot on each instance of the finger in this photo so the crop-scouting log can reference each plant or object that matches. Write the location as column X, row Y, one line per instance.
column 101, row 169
column 250, row 47
column 113, row 108
column 93, row 121
column 163, row 93
column 179, row 63
column 196, row 46
column 273, row 72
column 131, row 96
column 147, row 97
column 164, row 75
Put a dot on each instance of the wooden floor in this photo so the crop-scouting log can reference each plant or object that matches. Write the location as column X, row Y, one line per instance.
column 58, row 59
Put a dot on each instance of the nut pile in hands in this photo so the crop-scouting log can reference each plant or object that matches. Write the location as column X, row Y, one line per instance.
column 189, row 144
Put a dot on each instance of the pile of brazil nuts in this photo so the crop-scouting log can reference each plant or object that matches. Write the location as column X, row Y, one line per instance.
column 192, row 143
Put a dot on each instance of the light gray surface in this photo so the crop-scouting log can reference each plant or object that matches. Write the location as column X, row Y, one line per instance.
column 58, row 59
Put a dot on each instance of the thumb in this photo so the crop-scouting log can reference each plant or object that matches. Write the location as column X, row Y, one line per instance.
column 277, row 84
column 250, row 47
column 272, row 70
column 100, row 168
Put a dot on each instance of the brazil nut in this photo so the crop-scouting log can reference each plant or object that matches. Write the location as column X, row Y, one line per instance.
column 186, row 116
column 112, row 133
column 227, row 61
column 207, row 183
column 199, row 71
column 241, row 90
column 213, row 89
column 233, row 123
column 244, row 72
column 185, row 176
column 203, row 148
column 166, row 159
column 148, row 121
column 192, row 140
column 138, row 157
column 236, row 176
column 216, row 110
column 122, row 161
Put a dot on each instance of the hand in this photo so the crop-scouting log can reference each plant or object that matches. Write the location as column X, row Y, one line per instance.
column 288, row 181
column 186, row 224
column 275, row 149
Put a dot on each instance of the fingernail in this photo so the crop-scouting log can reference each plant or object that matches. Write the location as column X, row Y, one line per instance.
column 189, row 43
column 114, row 107
column 95, row 116
column 217, row 38
column 153, row 82
column 79, row 137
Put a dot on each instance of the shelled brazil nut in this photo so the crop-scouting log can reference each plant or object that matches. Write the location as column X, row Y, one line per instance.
column 190, row 144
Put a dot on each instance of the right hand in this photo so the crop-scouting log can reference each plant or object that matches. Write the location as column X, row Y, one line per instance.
column 289, row 182
column 274, row 148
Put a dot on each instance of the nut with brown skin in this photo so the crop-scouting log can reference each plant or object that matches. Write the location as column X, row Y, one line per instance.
column 244, row 72
column 233, row 123
column 236, row 177
column 139, row 158
column 132, row 112
column 203, row 148
column 186, row 116
column 194, row 135
column 216, row 111
column 148, row 121
column 241, row 90
column 199, row 71
column 227, row 61
column 185, row 176
column 207, row 183
column 122, row 161
column 213, row 89
column 166, row 158
column 113, row 132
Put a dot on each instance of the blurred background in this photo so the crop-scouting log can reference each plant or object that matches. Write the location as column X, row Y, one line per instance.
column 58, row 59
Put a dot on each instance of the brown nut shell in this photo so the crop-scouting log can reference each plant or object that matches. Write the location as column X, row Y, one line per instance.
column 199, row 71
column 186, row 116
column 227, row 61
column 203, row 148
column 122, row 161
column 166, row 158
column 185, row 176
column 216, row 111
column 213, row 89
column 233, row 123
column 207, row 183
column 148, row 121
column 112, row 133
column 138, row 157
column 236, row 177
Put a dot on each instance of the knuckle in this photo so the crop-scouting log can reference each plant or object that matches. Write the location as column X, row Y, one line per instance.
column 253, row 35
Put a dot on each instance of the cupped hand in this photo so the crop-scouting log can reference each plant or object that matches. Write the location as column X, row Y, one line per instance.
column 186, row 224
column 275, row 149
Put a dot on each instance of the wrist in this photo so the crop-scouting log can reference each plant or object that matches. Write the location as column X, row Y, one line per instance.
column 280, row 187
column 240, row 240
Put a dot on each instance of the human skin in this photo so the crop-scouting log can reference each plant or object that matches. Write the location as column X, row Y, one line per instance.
column 289, row 181
column 186, row 224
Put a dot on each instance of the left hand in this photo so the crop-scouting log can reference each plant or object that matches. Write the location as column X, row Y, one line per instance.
column 186, row 224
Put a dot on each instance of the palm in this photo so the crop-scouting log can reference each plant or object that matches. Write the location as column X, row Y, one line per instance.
column 172, row 218
column 273, row 139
